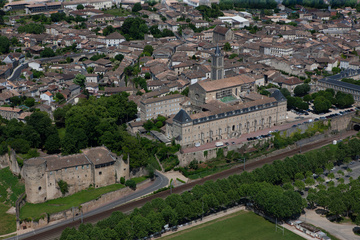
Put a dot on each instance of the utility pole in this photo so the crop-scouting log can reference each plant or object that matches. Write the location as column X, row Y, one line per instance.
column 244, row 164
column 202, row 209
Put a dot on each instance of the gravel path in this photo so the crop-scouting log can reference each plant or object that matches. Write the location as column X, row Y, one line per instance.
column 341, row 231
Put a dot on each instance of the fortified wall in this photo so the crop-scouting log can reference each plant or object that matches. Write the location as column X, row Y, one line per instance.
column 96, row 167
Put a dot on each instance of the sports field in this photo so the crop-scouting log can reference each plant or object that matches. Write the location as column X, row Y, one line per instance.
column 240, row 225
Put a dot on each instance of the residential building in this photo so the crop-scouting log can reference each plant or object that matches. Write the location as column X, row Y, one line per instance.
column 166, row 106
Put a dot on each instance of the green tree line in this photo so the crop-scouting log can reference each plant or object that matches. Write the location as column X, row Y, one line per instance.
column 261, row 187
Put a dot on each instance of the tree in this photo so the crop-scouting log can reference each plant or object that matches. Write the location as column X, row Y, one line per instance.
column 285, row 92
column 137, row 7
column 131, row 184
column 80, row 79
column 302, row 90
column 227, row 47
column 321, row 104
column 119, row 57
column 52, row 143
column 307, row 98
column 20, row 145
column 32, row 28
column 148, row 50
column 336, row 70
column 29, row 102
column 300, row 185
column 4, row 44
column 80, row 7
column 309, row 181
column 108, row 30
column 47, row 52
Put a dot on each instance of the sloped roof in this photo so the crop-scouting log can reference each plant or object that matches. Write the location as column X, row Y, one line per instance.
column 182, row 117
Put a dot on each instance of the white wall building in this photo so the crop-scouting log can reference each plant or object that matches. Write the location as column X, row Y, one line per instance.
column 236, row 21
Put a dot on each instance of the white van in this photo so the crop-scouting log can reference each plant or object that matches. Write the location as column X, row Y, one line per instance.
column 219, row 144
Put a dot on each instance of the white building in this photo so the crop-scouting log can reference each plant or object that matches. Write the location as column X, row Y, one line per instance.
column 236, row 21
column 97, row 4
column 47, row 96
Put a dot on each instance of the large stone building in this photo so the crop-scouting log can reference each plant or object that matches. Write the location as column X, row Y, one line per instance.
column 222, row 33
column 95, row 167
column 166, row 106
column 218, row 120
column 205, row 91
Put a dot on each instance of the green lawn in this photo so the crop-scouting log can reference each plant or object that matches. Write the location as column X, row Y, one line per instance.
column 118, row 12
column 35, row 211
column 139, row 179
column 7, row 221
column 61, row 132
column 240, row 225
column 10, row 187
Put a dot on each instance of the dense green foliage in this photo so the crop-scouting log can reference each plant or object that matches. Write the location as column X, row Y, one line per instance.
column 134, row 29
column 32, row 28
column 35, row 133
column 259, row 187
column 47, row 52
column 207, row 12
column 302, row 90
column 305, row 3
column 254, row 4
column 281, row 141
column 4, row 44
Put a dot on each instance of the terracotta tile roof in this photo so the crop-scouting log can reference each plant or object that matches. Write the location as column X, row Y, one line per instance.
column 210, row 86
column 10, row 109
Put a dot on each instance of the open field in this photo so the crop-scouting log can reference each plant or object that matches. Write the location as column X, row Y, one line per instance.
column 240, row 225
column 118, row 12
column 7, row 221
column 10, row 187
column 35, row 211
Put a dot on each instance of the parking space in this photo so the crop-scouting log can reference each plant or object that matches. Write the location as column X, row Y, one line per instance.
column 333, row 112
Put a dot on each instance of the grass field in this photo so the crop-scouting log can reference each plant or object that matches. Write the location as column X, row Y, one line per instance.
column 118, row 12
column 240, row 225
column 35, row 211
column 7, row 221
column 10, row 187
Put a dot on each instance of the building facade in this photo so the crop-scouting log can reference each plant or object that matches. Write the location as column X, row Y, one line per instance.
column 95, row 167
column 221, row 121
column 165, row 106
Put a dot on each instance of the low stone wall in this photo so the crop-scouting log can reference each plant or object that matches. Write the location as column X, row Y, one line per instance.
column 85, row 207
column 186, row 158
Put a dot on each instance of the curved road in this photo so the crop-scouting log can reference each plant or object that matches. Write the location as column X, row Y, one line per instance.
column 54, row 231
column 160, row 182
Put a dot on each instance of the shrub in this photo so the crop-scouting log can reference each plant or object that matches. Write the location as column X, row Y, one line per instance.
column 122, row 180
column 64, row 187
column 131, row 184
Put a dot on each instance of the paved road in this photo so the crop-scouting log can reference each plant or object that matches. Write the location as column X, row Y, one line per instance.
column 54, row 231
column 63, row 56
column 17, row 72
column 160, row 182
column 341, row 231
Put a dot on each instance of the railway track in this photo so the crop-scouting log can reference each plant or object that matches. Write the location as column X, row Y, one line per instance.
column 56, row 231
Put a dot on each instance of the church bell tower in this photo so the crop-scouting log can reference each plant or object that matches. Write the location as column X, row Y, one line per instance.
column 217, row 65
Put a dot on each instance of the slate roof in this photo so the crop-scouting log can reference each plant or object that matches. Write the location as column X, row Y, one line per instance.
column 275, row 93
column 182, row 117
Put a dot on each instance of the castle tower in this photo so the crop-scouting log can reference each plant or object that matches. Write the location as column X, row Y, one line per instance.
column 217, row 65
